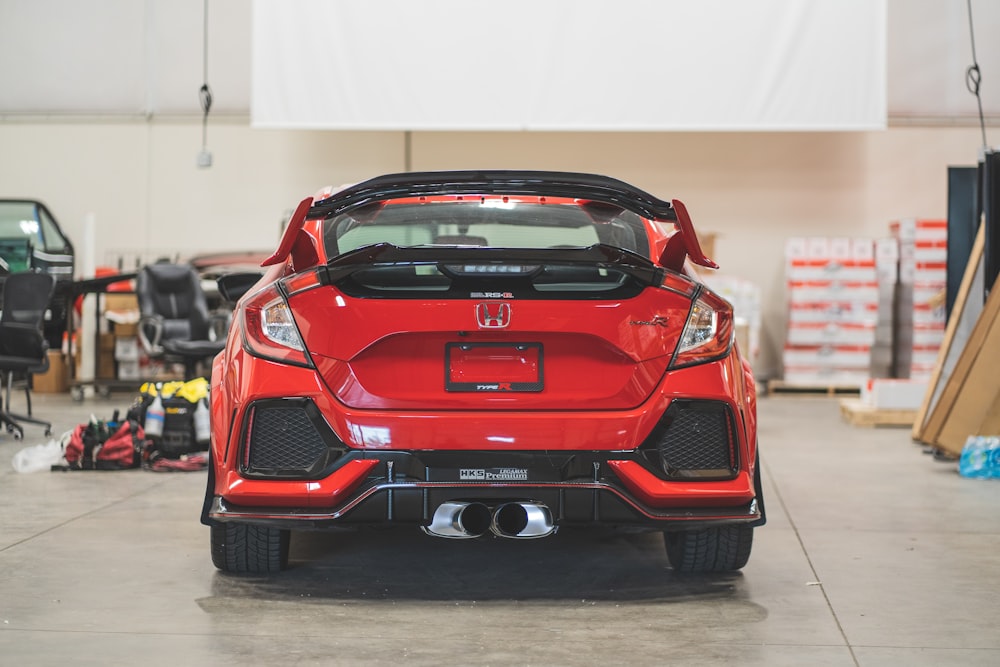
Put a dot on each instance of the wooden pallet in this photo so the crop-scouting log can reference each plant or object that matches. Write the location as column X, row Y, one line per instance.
column 857, row 413
column 782, row 387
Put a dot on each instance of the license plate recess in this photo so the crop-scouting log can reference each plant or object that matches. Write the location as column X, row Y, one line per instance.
column 493, row 367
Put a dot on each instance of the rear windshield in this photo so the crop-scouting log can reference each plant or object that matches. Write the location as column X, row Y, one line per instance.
column 496, row 222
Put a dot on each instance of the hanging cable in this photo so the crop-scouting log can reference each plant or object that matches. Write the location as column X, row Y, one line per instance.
column 205, row 95
column 972, row 78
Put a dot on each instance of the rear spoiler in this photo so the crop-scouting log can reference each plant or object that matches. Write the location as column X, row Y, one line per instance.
column 294, row 242
column 684, row 243
column 588, row 187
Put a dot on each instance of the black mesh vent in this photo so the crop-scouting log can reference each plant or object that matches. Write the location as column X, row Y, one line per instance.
column 697, row 440
column 284, row 439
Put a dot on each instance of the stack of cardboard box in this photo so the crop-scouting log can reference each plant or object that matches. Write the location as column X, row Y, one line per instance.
column 121, row 311
column 920, row 314
column 833, row 297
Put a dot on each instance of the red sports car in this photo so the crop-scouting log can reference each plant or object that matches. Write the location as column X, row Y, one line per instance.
column 479, row 353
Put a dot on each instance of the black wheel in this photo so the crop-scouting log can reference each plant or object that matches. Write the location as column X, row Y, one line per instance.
column 18, row 435
column 77, row 394
column 47, row 432
column 719, row 549
column 249, row 549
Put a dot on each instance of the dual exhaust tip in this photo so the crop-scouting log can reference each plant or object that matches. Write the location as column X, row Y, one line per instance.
column 463, row 520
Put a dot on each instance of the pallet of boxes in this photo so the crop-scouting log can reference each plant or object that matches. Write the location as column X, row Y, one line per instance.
column 918, row 324
column 833, row 305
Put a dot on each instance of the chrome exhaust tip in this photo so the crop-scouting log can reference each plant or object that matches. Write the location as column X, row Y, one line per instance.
column 522, row 521
column 459, row 520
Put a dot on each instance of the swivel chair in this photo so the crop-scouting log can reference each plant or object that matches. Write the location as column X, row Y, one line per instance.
column 23, row 348
column 174, row 322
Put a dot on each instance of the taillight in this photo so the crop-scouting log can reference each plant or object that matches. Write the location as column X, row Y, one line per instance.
column 302, row 282
column 678, row 284
column 269, row 330
column 708, row 333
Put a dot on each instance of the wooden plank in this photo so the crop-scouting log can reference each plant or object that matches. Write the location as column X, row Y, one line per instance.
column 926, row 428
column 980, row 385
column 857, row 413
column 991, row 424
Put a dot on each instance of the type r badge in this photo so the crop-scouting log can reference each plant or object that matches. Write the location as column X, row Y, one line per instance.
column 658, row 321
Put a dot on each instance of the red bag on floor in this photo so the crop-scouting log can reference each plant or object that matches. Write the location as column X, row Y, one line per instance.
column 94, row 446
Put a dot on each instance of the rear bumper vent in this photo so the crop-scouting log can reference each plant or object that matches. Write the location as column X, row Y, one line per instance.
column 288, row 438
column 694, row 439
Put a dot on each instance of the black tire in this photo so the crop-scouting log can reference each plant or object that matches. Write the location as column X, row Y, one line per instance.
column 719, row 549
column 248, row 549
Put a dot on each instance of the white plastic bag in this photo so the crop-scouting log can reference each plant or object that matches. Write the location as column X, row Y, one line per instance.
column 38, row 457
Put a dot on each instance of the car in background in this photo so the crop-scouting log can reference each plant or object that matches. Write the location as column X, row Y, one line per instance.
column 499, row 353
column 32, row 240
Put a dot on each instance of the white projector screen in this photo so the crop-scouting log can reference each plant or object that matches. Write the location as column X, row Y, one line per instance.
column 631, row 65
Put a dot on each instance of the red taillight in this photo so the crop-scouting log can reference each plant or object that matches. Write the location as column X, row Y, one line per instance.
column 269, row 330
column 675, row 282
column 708, row 333
column 301, row 282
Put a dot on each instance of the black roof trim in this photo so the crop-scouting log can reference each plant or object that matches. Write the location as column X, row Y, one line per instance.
column 547, row 183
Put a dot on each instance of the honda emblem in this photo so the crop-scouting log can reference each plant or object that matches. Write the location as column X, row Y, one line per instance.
column 493, row 314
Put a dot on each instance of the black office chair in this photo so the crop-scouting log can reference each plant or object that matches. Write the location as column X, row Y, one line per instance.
column 174, row 322
column 23, row 348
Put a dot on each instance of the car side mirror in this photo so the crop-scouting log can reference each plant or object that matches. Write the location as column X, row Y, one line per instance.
column 232, row 286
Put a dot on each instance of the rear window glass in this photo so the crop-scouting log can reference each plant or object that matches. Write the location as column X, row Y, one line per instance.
column 485, row 222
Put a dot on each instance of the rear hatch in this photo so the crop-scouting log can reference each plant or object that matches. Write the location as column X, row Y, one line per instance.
column 475, row 329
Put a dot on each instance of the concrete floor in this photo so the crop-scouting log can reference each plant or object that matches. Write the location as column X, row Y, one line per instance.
column 874, row 554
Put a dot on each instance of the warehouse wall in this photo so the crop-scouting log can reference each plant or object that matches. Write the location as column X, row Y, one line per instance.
column 101, row 116
column 138, row 177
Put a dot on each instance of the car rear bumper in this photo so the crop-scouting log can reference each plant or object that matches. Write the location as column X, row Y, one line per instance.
column 611, row 488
